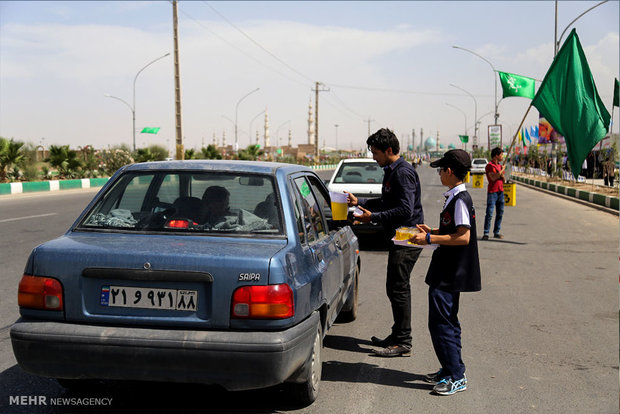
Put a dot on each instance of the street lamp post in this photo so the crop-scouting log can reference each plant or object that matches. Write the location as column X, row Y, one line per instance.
column 556, row 43
column 237, row 114
column 336, row 126
column 251, row 122
column 494, row 76
column 278, row 131
column 475, row 143
column 133, row 107
column 464, row 116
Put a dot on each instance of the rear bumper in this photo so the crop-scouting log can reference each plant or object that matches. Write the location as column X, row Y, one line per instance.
column 235, row 360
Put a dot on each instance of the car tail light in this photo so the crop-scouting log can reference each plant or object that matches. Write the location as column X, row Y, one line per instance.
column 179, row 224
column 263, row 302
column 38, row 292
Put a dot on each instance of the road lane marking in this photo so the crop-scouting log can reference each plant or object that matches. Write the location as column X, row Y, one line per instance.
column 27, row 217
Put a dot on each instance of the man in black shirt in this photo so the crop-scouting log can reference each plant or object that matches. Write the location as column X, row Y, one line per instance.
column 399, row 205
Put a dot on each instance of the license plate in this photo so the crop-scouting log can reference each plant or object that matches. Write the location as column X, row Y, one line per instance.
column 149, row 298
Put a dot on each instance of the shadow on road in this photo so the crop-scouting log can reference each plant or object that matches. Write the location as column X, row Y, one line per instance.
column 360, row 372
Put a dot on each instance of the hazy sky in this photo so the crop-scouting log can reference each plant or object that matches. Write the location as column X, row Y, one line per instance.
column 390, row 62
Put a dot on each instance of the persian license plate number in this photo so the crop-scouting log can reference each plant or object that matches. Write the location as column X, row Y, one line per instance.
column 149, row 298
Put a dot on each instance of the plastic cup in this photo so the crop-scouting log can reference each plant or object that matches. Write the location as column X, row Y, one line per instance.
column 339, row 205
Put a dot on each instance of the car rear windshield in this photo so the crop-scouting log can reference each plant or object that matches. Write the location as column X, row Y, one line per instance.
column 191, row 202
column 366, row 173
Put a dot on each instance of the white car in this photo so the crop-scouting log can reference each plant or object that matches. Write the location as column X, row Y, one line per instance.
column 478, row 165
column 362, row 177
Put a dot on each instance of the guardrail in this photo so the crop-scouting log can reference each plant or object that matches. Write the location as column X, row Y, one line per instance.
column 57, row 185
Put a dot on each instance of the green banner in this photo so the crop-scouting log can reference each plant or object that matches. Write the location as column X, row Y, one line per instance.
column 150, row 130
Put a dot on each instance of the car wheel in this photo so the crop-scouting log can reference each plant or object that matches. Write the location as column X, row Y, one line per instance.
column 306, row 392
column 349, row 310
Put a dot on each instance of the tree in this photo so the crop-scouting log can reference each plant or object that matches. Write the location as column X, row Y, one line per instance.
column 252, row 152
column 65, row 160
column 11, row 155
column 211, row 153
column 190, row 154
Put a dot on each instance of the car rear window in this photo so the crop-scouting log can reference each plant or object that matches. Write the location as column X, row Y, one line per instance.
column 366, row 173
column 191, row 202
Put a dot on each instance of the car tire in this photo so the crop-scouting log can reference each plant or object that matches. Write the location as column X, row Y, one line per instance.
column 306, row 392
column 349, row 310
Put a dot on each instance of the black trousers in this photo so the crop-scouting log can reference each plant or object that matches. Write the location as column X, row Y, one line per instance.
column 401, row 260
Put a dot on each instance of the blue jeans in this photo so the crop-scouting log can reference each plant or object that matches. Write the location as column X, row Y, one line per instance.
column 445, row 330
column 493, row 200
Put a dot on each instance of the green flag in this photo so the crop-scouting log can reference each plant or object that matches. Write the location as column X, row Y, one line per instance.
column 150, row 130
column 568, row 99
column 516, row 85
column 464, row 138
column 616, row 93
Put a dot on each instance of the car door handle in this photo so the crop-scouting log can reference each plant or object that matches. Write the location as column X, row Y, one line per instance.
column 338, row 244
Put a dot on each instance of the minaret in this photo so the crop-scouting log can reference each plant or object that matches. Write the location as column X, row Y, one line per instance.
column 290, row 139
column 310, row 124
column 422, row 147
column 438, row 146
column 257, row 142
column 214, row 140
column 267, row 143
column 224, row 138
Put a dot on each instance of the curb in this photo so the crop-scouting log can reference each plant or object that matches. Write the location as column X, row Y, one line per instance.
column 56, row 185
column 51, row 185
column 601, row 200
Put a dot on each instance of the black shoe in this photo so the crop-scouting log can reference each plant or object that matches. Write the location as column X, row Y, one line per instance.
column 393, row 351
column 485, row 237
column 382, row 342
column 498, row 236
column 434, row 377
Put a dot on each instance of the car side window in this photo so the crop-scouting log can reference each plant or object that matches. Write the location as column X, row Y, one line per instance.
column 299, row 220
column 313, row 216
column 321, row 196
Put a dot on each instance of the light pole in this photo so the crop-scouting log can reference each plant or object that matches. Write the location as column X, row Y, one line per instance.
column 278, row 130
column 251, row 122
column 133, row 107
column 237, row 114
column 556, row 43
column 336, row 126
column 475, row 143
column 464, row 116
column 494, row 76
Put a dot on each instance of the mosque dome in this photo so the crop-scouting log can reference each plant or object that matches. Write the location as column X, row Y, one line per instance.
column 430, row 143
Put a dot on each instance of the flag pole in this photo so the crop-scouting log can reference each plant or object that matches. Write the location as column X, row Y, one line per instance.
column 514, row 139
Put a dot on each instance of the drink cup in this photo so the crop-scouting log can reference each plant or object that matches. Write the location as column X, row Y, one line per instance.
column 339, row 205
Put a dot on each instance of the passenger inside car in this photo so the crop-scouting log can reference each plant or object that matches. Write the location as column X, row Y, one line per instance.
column 215, row 205
column 268, row 210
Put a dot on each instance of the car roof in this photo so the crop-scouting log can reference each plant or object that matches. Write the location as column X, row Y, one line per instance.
column 359, row 160
column 218, row 165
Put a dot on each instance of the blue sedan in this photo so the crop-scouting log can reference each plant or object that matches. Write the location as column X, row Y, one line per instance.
column 213, row 272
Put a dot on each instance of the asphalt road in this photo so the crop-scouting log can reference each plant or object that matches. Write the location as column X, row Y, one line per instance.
column 541, row 337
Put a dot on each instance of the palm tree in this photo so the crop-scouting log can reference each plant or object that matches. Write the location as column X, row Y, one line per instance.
column 11, row 154
column 65, row 160
column 252, row 152
column 211, row 153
